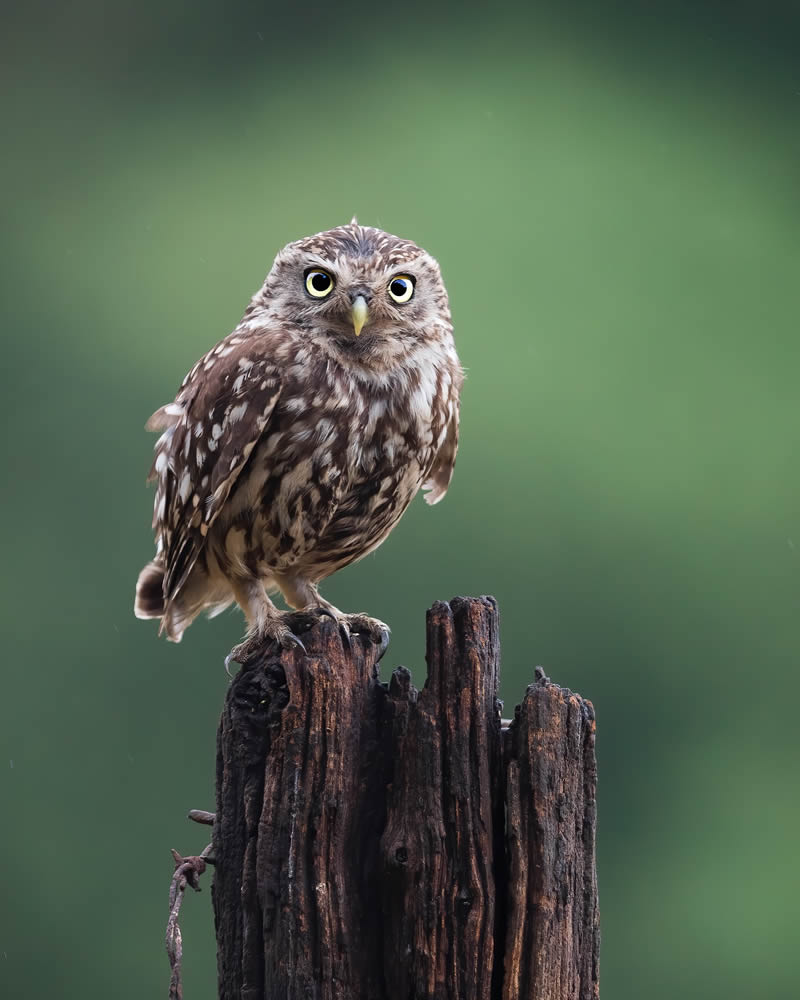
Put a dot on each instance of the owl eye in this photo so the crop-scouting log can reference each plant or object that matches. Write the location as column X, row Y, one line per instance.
column 401, row 288
column 319, row 283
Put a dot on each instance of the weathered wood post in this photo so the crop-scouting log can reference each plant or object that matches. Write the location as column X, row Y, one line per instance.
column 373, row 842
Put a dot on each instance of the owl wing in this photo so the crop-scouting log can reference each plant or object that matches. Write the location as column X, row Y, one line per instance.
column 221, row 411
column 441, row 471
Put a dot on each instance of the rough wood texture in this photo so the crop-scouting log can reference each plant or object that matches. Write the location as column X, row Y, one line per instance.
column 299, row 812
column 438, row 847
column 553, row 936
column 378, row 843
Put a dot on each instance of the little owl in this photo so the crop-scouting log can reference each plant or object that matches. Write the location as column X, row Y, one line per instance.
column 294, row 446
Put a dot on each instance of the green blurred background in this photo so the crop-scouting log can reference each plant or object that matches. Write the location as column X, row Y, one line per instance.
column 612, row 191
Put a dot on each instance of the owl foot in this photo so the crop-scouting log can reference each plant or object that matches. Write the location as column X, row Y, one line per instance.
column 361, row 624
column 280, row 628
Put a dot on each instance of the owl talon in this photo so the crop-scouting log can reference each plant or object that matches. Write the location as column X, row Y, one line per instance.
column 277, row 632
column 242, row 654
column 325, row 613
column 376, row 631
column 383, row 645
column 290, row 641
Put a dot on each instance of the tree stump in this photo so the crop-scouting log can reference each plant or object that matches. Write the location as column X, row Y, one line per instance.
column 375, row 842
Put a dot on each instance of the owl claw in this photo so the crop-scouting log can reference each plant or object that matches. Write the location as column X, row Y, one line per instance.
column 254, row 644
column 383, row 645
column 325, row 613
column 289, row 640
column 361, row 624
column 281, row 631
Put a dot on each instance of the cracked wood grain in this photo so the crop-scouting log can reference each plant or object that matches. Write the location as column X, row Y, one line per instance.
column 375, row 842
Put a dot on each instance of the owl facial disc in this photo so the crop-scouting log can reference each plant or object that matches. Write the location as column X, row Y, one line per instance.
column 360, row 313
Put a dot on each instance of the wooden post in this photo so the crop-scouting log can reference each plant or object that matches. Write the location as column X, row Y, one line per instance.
column 373, row 842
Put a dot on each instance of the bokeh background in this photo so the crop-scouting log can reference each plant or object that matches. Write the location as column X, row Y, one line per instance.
column 612, row 191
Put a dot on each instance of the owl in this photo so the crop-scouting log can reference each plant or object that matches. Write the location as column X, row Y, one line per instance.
column 295, row 444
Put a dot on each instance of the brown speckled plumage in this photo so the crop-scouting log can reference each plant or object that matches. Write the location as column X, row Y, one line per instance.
column 294, row 445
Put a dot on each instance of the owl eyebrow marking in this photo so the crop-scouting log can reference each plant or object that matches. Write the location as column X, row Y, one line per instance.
column 318, row 260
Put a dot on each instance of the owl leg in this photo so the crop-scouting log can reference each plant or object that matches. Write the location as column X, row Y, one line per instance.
column 303, row 594
column 265, row 621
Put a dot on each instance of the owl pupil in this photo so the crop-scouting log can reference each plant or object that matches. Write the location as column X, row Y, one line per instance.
column 399, row 287
column 320, row 282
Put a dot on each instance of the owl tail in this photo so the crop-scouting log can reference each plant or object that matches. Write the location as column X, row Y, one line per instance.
column 180, row 612
column 149, row 601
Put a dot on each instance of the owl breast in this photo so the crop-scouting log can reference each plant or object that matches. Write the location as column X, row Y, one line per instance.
column 335, row 470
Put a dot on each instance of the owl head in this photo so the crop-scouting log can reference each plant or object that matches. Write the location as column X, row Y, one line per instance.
column 362, row 288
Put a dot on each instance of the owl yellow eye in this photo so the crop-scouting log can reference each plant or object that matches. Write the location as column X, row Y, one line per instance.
column 401, row 288
column 319, row 283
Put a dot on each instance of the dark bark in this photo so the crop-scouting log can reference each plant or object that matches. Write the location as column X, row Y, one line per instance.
column 362, row 847
column 299, row 814
column 553, row 937
column 438, row 846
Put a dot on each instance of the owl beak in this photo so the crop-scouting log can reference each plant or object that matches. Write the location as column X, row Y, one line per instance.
column 360, row 313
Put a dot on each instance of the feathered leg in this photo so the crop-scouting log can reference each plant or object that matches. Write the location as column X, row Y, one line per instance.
column 303, row 595
column 265, row 621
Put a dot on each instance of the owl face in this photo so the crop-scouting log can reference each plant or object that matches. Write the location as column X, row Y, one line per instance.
column 360, row 287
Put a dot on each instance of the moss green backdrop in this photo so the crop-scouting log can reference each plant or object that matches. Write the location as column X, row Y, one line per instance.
column 612, row 191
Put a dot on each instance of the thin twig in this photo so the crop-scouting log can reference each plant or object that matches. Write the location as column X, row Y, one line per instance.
column 187, row 872
column 201, row 816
